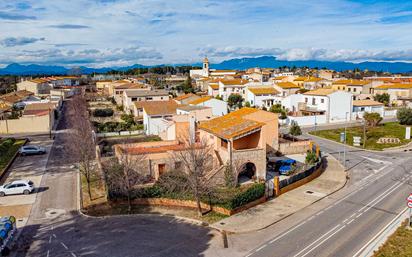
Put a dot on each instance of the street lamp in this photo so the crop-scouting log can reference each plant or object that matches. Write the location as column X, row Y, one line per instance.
column 344, row 142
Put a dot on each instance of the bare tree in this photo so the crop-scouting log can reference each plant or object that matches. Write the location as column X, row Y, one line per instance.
column 196, row 161
column 80, row 141
column 125, row 173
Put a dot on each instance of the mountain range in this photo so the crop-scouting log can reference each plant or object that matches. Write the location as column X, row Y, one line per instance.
column 235, row 64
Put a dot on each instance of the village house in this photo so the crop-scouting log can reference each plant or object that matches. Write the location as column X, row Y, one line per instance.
column 120, row 88
column 399, row 94
column 218, row 107
column 286, row 88
column 360, row 107
column 186, row 98
column 38, row 87
column 232, row 86
column 155, row 115
column 131, row 96
column 262, row 96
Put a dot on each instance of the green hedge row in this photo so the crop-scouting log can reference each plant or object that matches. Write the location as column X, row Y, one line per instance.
column 6, row 144
column 221, row 199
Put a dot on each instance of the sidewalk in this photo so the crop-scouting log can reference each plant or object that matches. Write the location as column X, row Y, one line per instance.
column 266, row 214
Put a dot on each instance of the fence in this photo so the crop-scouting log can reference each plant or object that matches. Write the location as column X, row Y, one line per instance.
column 120, row 133
column 301, row 178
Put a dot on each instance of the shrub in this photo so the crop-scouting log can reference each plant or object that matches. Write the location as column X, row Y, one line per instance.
column 251, row 194
column 108, row 112
column 404, row 116
column 6, row 144
column 372, row 118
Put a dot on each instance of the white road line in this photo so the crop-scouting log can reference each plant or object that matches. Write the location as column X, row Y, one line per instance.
column 74, row 255
column 48, row 252
column 260, row 248
column 380, row 232
column 317, row 240
column 324, row 240
column 65, row 246
column 352, row 220
column 54, row 235
column 50, row 239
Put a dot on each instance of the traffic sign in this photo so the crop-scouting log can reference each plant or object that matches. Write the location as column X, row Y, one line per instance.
column 409, row 205
column 409, row 199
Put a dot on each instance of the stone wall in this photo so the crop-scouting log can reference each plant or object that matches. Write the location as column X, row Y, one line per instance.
column 256, row 156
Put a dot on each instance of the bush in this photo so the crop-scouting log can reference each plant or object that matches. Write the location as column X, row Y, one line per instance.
column 6, row 144
column 372, row 118
column 108, row 112
column 404, row 116
column 251, row 194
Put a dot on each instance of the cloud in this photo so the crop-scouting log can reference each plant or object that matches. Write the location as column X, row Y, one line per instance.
column 69, row 26
column 91, row 57
column 68, row 44
column 304, row 54
column 15, row 17
column 19, row 41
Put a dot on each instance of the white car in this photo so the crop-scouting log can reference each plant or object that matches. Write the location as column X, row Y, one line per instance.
column 32, row 149
column 17, row 187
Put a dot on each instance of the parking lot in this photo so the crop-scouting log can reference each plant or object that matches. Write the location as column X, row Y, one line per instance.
column 28, row 168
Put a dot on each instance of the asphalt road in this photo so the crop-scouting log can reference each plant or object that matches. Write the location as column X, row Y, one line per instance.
column 349, row 219
column 338, row 225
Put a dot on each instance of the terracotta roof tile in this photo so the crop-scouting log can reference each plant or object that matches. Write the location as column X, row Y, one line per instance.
column 287, row 85
column 160, row 107
column 200, row 100
column 263, row 90
column 366, row 103
column 232, row 124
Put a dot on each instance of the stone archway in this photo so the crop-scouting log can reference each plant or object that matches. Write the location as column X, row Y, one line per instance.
column 247, row 172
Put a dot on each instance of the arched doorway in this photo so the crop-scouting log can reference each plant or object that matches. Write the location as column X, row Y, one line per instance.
column 247, row 172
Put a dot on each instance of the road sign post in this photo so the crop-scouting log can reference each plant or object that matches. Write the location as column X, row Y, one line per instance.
column 409, row 204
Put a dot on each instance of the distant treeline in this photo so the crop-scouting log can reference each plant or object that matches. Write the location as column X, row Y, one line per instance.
column 161, row 70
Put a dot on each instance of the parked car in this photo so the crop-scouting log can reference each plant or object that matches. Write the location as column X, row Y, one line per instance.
column 32, row 149
column 17, row 187
column 285, row 167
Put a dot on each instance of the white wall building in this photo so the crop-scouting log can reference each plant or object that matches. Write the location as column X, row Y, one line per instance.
column 219, row 107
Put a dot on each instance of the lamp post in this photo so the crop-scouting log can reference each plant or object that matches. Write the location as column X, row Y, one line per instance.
column 344, row 142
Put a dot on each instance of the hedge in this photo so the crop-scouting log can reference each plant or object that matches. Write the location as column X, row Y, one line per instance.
column 108, row 112
column 252, row 193
column 6, row 144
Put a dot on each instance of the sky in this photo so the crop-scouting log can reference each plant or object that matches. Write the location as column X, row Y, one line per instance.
column 107, row 33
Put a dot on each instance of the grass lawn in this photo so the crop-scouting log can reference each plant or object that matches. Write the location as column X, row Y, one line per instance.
column 398, row 245
column 5, row 158
column 390, row 129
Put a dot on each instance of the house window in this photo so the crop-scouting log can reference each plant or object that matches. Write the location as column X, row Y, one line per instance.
column 313, row 101
column 348, row 89
column 251, row 102
column 224, row 89
column 134, row 99
column 322, row 100
column 354, row 90
column 149, row 98
column 306, row 100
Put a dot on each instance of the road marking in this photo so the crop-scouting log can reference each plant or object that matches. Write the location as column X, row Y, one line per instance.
column 54, row 235
column 260, row 248
column 380, row 232
column 74, row 255
column 317, row 240
column 324, row 240
column 352, row 220
column 65, row 246
column 50, row 238
column 48, row 252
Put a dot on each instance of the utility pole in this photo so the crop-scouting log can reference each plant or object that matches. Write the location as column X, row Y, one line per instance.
column 364, row 133
column 344, row 142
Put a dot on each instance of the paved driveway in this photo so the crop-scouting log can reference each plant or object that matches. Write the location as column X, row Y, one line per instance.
column 31, row 168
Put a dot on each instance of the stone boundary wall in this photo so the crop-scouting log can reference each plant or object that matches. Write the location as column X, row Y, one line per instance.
column 192, row 204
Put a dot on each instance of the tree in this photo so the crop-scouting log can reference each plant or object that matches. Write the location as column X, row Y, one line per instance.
column 122, row 175
column 235, row 100
column 404, row 116
column 277, row 108
column 295, row 129
column 382, row 98
column 311, row 157
column 81, row 145
column 247, row 104
column 372, row 119
column 196, row 161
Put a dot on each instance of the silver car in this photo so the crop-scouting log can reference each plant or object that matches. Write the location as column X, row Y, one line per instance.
column 17, row 187
column 32, row 149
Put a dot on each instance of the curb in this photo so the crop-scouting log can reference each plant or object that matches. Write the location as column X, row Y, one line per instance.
column 149, row 215
column 284, row 217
